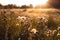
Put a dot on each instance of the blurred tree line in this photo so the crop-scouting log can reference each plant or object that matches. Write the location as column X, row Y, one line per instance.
column 50, row 4
column 11, row 6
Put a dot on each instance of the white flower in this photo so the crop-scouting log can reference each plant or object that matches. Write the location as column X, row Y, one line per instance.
column 34, row 30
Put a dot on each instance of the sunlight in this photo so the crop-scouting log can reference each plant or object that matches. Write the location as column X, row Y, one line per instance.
column 23, row 2
column 39, row 2
column 43, row 1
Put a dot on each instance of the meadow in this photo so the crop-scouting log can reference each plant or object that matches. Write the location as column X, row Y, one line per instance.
column 30, row 24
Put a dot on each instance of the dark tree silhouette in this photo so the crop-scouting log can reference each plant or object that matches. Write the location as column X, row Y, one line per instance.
column 54, row 3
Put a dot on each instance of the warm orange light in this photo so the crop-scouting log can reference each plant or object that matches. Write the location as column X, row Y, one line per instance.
column 43, row 1
column 23, row 2
column 39, row 2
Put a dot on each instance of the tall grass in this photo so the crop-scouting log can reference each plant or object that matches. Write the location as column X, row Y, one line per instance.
column 14, row 25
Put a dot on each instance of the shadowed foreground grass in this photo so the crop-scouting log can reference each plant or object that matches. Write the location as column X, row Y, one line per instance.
column 30, row 24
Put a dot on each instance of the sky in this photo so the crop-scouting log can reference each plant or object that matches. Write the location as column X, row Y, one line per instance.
column 21, row 2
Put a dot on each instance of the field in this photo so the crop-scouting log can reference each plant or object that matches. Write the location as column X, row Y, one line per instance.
column 30, row 24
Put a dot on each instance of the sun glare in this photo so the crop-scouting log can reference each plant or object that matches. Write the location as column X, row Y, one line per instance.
column 23, row 2
column 43, row 1
column 39, row 2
